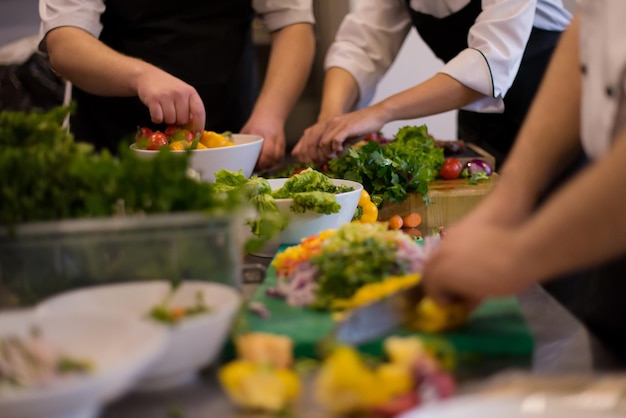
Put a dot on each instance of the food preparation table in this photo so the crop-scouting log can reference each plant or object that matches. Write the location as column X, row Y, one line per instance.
column 204, row 398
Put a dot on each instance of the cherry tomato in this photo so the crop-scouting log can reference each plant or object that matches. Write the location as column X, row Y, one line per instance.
column 142, row 133
column 451, row 168
column 171, row 130
column 182, row 135
column 157, row 140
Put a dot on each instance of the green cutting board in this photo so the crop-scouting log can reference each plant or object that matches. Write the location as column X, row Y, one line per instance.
column 495, row 336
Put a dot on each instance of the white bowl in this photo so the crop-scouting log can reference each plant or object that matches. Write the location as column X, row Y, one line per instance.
column 193, row 343
column 241, row 156
column 302, row 225
column 119, row 348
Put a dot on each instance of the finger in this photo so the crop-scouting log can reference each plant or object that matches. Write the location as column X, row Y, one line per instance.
column 197, row 113
column 169, row 112
column 156, row 112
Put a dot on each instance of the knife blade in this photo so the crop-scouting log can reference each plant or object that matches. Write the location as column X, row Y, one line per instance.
column 379, row 318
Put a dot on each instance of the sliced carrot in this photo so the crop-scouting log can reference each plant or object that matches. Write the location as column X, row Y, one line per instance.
column 395, row 222
column 412, row 220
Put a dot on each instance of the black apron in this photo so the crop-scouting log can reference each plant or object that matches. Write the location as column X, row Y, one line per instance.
column 494, row 132
column 206, row 43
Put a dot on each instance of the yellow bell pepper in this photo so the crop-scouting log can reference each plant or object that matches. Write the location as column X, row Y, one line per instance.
column 369, row 209
column 259, row 387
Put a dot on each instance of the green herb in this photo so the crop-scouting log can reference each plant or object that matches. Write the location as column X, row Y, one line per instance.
column 46, row 175
column 392, row 171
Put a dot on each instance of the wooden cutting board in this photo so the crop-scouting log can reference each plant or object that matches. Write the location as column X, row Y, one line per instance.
column 450, row 201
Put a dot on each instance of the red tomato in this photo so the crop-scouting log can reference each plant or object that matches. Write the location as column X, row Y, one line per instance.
column 171, row 130
column 183, row 135
column 451, row 168
column 157, row 140
column 142, row 133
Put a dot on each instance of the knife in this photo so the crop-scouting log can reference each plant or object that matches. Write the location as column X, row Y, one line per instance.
column 379, row 318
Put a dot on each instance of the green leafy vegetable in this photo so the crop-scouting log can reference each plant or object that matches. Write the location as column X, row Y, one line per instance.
column 320, row 202
column 391, row 171
column 46, row 175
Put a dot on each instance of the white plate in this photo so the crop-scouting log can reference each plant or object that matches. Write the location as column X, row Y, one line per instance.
column 119, row 348
column 192, row 344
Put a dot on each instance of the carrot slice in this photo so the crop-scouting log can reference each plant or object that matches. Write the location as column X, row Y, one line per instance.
column 412, row 220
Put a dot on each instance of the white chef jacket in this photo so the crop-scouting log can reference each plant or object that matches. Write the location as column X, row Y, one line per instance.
column 371, row 35
column 603, row 63
column 85, row 14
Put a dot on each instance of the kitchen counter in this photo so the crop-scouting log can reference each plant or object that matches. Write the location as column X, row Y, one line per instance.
column 204, row 398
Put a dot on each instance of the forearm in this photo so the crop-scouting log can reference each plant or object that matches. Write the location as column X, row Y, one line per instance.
column 291, row 57
column 91, row 65
column 438, row 94
column 340, row 93
column 584, row 223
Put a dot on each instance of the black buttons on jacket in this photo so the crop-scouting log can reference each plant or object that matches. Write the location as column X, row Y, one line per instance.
column 610, row 91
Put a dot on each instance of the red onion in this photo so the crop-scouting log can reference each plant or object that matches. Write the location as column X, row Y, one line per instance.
column 478, row 166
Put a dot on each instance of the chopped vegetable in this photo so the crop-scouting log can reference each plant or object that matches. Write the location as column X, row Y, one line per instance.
column 174, row 314
column 33, row 362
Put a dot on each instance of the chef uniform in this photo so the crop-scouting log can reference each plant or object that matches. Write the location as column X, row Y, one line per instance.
column 206, row 43
column 500, row 49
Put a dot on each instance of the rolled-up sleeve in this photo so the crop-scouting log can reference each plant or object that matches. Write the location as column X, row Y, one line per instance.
column 368, row 41
column 84, row 14
column 277, row 14
column 496, row 41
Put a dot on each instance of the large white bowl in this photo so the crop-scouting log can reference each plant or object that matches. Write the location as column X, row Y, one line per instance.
column 120, row 349
column 302, row 225
column 241, row 156
column 192, row 343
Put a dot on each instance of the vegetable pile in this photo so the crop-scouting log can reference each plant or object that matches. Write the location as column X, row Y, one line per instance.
column 264, row 377
column 309, row 189
column 391, row 171
column 180, row 138
column 388, row 169
column 46, row 175
column 357, row 264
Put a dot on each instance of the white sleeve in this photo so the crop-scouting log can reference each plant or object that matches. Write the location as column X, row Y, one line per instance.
column 496, row 45
column 276, row 14
column 84, row 14
column 368, row 41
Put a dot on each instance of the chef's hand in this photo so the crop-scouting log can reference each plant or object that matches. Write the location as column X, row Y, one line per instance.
column 274, row 142
column 326, row 139
column 351, row 125
column 169, row 99
column 307, row 149
column 475, row 262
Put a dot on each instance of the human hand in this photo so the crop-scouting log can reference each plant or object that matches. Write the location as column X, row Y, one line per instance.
column 307, row 148
column 475, row 262
column 170, row 100
column 274, row 142
column 326, row 139
column 351, row 125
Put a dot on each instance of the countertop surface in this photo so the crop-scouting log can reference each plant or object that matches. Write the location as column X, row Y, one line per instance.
column 204, row 398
